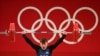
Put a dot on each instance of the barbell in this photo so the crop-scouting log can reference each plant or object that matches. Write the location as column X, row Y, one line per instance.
column 12, row 32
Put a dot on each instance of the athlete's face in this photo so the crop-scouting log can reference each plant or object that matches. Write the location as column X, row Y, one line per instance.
column 44, row 45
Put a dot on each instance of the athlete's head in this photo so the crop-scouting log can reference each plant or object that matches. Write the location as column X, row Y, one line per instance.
column 43, row 43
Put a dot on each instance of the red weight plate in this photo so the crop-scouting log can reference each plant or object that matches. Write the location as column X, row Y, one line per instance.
column 76, row 34
column 12, row 32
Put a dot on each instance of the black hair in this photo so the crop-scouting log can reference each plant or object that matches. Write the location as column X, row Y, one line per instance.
column 43, row 40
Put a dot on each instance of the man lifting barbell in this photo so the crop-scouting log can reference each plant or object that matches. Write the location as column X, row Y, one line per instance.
column 43, row 49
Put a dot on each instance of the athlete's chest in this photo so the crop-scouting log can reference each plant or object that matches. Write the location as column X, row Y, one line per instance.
column 44, row 53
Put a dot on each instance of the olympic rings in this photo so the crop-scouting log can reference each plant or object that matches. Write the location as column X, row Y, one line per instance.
column 91, row 10
column 60, row 29
column 27, row 8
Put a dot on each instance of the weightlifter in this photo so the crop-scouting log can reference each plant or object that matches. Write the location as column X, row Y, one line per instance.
column 44, row 49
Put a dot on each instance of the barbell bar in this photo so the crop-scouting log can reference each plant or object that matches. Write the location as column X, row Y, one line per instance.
column 12, row 32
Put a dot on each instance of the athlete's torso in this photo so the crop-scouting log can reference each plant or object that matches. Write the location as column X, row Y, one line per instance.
column 44, row 52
